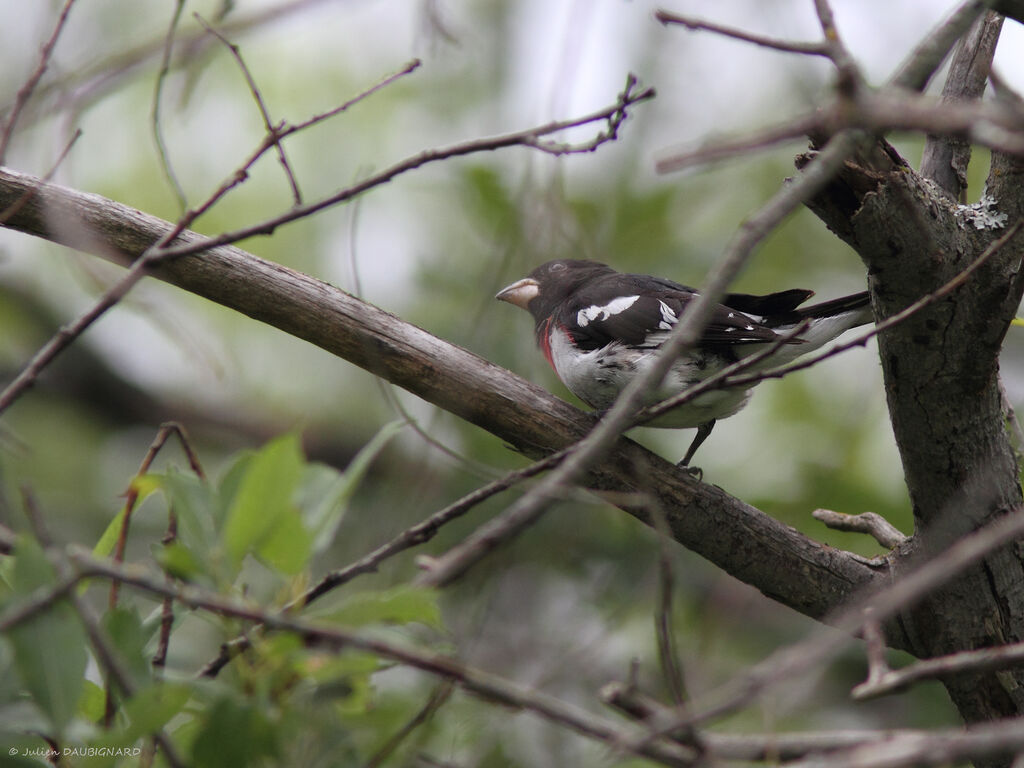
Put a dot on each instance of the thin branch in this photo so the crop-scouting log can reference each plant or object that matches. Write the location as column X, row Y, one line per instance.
column 979, row 660
column 437, row 699
column 787, row 46
column 945, row 158
column 929, row 54
column 996, row 125
column 154, row 115
column 874, row 642
column 132, row 494
column 884, row 532
column 38, row 603
column 850, row 78
column 668, row 651
column 821, row 745
column 273, row 131
column 26, row 90
column 999, row 739
column 714, row 151
column 531, row 137
column 718, row 379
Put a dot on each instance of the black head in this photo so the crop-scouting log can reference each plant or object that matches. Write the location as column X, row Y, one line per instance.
column 550, row 284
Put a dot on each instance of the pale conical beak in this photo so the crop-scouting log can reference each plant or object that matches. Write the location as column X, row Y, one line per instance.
column 520, row 293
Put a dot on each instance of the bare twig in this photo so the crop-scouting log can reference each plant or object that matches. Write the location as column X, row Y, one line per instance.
column 717, row 380
column 993, row 125
column 850, row 78
column 792, row 746
column 668, row 652
column 132, row 494
column 979, row 660
column 154, row 116
column 26, row 90
column 787, row 46
column 874, row 642
column 792, row 130
column 273, row 131
column 437, row 699
column 929, row 54
column 614, row 115
column 1003, row 738
column 945, row 158
column 884, row 532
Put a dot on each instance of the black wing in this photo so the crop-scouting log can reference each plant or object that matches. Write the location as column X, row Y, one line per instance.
column 638, row 310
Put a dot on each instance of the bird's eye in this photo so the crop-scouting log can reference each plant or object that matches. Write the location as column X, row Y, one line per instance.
column 556, row 267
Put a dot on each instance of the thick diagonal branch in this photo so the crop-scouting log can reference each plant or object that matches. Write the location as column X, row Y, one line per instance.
column 757, row 549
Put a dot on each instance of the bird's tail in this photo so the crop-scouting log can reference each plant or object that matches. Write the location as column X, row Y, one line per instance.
column 827, row 321
column 858, row 304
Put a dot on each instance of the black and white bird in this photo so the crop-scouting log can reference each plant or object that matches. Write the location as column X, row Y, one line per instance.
column 599, row 328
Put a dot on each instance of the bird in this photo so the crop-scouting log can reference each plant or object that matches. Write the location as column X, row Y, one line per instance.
column 599, row 328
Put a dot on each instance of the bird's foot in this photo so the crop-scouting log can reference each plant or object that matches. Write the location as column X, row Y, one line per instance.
column 696, row 472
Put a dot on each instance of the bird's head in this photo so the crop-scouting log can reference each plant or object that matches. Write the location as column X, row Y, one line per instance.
column 550, row 284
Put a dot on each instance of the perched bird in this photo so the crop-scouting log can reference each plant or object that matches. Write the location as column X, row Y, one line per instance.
column 599, row 328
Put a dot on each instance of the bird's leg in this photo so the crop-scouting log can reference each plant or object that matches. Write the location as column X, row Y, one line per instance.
column 702, row 434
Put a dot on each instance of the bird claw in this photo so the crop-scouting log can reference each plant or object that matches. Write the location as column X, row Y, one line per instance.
column 696, row 472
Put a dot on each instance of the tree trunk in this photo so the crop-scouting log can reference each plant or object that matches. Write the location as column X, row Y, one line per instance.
column 942, row 383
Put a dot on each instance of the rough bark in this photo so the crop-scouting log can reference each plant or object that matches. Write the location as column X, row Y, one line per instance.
column 941, row 375
column 781, row 562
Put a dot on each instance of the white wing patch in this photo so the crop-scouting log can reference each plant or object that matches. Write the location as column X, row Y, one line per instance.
column 594, row 312
column 668, row 317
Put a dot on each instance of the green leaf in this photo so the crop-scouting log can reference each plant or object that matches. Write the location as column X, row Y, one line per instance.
column 194, row 502
column 325, row 494
column 128, row 636
column 151, row 708
column 400, row 605
column 264, row 496
column 32, row 570
column 92, row 703
column 235, row 734
column 287, row 548
column 49, row 648
column 109, row 538
column 178, row 561
column 143, row 485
